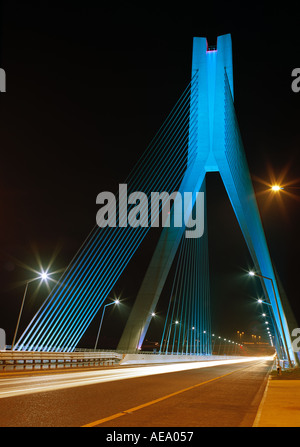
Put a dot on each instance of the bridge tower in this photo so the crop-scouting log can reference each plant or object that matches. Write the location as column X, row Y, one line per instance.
column 212, row 144
column 219, row 149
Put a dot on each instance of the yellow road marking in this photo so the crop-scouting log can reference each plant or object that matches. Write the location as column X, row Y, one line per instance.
column 152, row 402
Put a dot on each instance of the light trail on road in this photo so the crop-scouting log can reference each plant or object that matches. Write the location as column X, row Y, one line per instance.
column 10, row 387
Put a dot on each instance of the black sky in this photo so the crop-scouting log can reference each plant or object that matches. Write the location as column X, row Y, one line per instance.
column 89, row 85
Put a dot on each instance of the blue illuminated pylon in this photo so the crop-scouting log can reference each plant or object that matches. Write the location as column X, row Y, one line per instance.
column 219, row 148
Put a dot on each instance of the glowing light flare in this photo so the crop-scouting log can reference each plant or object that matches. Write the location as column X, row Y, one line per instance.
column 44, row 276
column 276, row 188
column 39, row 273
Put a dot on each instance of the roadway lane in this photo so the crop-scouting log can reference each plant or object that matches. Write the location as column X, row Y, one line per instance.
column 225, row 395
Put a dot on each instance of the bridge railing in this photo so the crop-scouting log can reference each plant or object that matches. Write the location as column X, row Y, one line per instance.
column 88, row 357
column 42, row 359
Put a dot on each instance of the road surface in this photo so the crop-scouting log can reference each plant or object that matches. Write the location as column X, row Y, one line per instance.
column 176, row 395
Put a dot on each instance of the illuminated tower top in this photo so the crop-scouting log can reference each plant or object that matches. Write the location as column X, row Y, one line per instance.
column 209, row 65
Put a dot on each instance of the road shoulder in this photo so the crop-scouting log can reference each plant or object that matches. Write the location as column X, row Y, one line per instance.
column 280, row 404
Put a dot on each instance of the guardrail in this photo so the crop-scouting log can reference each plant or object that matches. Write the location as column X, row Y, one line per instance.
column 88, row 357
column 41, row 359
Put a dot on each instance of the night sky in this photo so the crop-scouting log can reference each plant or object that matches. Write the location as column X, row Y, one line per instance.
column 87, row 88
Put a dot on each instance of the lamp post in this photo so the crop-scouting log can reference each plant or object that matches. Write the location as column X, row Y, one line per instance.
column 260, row 301
column 43, row 276
column 277, row 307
column 106, row 305
column 169, row 335
column 139, row 346
column 240, row 334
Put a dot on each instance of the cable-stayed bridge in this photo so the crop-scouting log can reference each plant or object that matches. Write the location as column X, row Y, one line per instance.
column 200, row 135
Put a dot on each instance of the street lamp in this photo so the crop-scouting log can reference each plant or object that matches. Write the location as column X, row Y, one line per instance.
column 43, row 276
column 276, row 188
column 240, row 334
column 267, row 304
column 260, row 301
column 139, row 346
column 169, row 335
column 251, row 273
column 287, row 188
column 106, row 305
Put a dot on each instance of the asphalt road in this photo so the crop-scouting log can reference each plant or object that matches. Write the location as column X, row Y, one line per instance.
column 216, row 396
